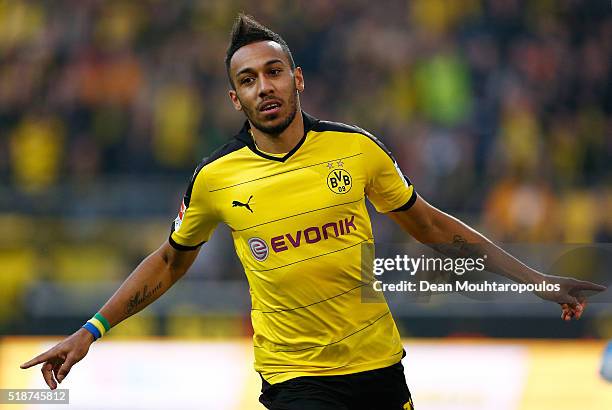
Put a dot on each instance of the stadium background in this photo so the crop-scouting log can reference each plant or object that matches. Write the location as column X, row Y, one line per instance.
column 499, row 111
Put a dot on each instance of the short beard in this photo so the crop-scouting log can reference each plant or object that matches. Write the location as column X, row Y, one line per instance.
column 276, row 130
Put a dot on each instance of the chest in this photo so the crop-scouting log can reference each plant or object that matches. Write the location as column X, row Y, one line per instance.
column 262, row 191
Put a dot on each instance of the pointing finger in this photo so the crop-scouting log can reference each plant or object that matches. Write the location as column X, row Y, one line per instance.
column 584, row 285
column 41, row 358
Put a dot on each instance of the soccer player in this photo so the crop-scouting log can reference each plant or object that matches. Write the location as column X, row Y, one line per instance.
column 292, row 189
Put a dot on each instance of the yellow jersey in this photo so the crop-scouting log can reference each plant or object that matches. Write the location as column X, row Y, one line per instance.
column 299, row 222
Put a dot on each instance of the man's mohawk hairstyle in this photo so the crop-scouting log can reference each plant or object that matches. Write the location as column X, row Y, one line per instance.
column 247, row 30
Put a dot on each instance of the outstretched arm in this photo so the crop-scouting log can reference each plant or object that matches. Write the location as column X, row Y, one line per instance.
column 452, row 237
column 151, row 279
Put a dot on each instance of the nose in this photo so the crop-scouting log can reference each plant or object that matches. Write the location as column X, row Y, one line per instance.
column 265, row 86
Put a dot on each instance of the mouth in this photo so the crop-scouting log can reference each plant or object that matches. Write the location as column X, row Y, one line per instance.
column 270, row 107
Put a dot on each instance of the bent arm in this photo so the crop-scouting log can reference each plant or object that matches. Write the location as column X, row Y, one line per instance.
column 151, row 279
column 450, row 236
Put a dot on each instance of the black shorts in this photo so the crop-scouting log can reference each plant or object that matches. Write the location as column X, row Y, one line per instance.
column 381, row 389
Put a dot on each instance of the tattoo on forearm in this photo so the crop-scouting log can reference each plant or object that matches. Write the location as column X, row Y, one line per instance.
column 459, row 242
column 459, row 248
column 141, row 297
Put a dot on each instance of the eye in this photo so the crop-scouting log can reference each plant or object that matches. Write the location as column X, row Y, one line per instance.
column 275, row 71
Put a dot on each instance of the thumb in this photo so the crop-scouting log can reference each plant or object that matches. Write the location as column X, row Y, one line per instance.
column 567, row 298
column 65, row 369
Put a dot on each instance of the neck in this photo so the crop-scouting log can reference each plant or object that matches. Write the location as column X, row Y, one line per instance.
column 283, row 142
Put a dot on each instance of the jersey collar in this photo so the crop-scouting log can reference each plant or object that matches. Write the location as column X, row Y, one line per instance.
column 245, row 136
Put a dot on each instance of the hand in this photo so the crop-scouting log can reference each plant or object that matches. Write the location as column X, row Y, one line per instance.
column 59, row 359
column 571, row 295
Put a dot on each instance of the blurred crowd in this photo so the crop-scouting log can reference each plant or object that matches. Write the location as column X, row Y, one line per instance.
column 498, row 110
column 500, row 107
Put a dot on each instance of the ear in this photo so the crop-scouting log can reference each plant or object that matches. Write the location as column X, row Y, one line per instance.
column 299, row 79
column 235, row 101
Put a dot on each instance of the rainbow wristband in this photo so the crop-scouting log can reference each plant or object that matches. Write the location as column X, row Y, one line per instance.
column 97, row 326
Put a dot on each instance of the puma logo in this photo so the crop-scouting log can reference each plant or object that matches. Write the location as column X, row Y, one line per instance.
column 238, row 203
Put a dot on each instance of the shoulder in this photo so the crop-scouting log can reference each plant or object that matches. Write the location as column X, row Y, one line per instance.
column 368, row 139
column 222, row 152
column 219, row 155
column 322, row 126
column 213, row 160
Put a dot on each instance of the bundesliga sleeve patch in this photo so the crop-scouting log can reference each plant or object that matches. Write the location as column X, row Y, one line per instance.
column 179, row 219
column 401, row 174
